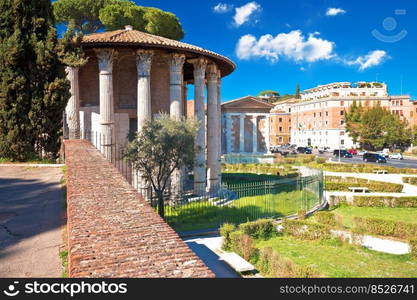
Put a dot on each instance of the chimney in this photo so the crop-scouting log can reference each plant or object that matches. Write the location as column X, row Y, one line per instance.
column 128, row 27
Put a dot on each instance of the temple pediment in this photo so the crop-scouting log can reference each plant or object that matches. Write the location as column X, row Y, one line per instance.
column 247, row 103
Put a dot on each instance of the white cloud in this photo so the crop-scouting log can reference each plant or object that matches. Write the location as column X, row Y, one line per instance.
column 222, row 8
column 373, row 58
column 244, row 13
column 293, row 45
column 335, row 11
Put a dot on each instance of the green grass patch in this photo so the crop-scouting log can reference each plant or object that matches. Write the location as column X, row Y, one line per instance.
column 407, row 215
column 63, row 255
column 203, row 215
column 335, row 183
column 332, row 258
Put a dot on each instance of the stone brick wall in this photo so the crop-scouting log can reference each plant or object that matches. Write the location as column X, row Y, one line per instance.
column 112, row 230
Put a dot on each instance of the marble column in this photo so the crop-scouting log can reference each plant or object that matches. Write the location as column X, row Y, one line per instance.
column 219, row 126
column 213, row 124
column 105, row 62
column 143, row 65
column 242, row 133
column 199, row 113
column 255, row 134
column 176, row 75
column 229, row 139
column 73, row 107
column 144, row 107
column 268, row 133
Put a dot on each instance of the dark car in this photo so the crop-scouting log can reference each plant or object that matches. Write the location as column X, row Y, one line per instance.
column 342, row 153
column 304, row 150
column 374, row 157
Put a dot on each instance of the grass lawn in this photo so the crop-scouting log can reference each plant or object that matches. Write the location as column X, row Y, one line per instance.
column 334, row 259
column 408, row 215
column 203, row 215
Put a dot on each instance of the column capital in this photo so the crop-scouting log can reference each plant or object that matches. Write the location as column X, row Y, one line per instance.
column 105, row 60
column 144, row 62
column 212, row 74
column 200, row 65
column 176, row 62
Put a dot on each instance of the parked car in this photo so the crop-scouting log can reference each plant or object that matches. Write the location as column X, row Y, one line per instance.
column 374, row 157
column 396, row 156
column 304, row 150
column 342, row 153
column 353, row 151
column 383, row 153
column 362, row 152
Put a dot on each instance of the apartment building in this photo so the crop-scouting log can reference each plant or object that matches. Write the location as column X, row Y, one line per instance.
column 252, row 125
column 318, row 119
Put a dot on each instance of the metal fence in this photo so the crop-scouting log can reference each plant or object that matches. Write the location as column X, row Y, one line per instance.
column 240, row 199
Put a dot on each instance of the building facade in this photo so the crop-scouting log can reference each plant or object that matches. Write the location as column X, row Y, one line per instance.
column 315, row 120
column 245, row 126
column 132, row 77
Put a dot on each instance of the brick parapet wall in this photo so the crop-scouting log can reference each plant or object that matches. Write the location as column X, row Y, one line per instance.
column 112, row 231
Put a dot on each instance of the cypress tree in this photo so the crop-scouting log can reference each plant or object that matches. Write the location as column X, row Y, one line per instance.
column 33, row 86
column 297, row 92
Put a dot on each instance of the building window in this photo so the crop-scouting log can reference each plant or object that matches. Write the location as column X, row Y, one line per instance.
column 342, row 133
column 342, row 142
column 280, row 139
column 320, row 114
column 327, row 113
column 289, row 128
column 280, row 129
column 342, row 112
column 280, row 120
column 342, row 122
column 342, row 103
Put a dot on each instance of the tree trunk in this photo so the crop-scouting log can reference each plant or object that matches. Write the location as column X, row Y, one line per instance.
column 161, row 208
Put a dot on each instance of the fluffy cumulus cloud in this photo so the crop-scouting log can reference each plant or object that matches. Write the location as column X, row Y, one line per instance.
column 335, row 11
column 222, row 8
column 293, row 45
column 373, row 58
column 244, row 13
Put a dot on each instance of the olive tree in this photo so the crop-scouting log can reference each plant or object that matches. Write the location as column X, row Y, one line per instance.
column 162, row 146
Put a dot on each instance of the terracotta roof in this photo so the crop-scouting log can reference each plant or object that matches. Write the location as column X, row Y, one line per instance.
column 129, row 37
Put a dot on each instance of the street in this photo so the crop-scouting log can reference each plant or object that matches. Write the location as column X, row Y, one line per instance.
column 357, row 159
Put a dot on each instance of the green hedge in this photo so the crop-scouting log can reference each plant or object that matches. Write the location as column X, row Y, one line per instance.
column 384, row 201
column 225, row 231
column 410, row 180
column 260, row 229
column 243, row 245
column 326, row 217
column 272, row 264
column 365, row 168
column 373, row 187
column 306, row 230
column 385, row 227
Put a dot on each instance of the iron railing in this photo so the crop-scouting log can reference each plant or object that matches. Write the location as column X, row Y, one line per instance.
column 238, row 200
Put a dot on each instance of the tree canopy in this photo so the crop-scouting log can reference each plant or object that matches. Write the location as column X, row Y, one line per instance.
column 161, row 147
column 377, row 128
column 33, row 86
column 269, row 93
column 89, row 16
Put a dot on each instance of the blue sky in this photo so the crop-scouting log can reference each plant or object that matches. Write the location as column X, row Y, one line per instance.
column 279, row 63
column 279, row 43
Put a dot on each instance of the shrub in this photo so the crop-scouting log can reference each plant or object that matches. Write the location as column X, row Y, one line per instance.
column 243, row 245
column 272, row 264
column 260, row 229
column 306, row 230
column 410, row 180
column 365, row 168
column 384, row 201
column 337, row 200
column 413, row 246
column 385, row 227
column 302, row 214
column 372, row 186
column 326, row 217
column 320, row 160
column 225, row 231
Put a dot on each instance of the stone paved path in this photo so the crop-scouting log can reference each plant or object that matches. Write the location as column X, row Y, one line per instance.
column 31, row 216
